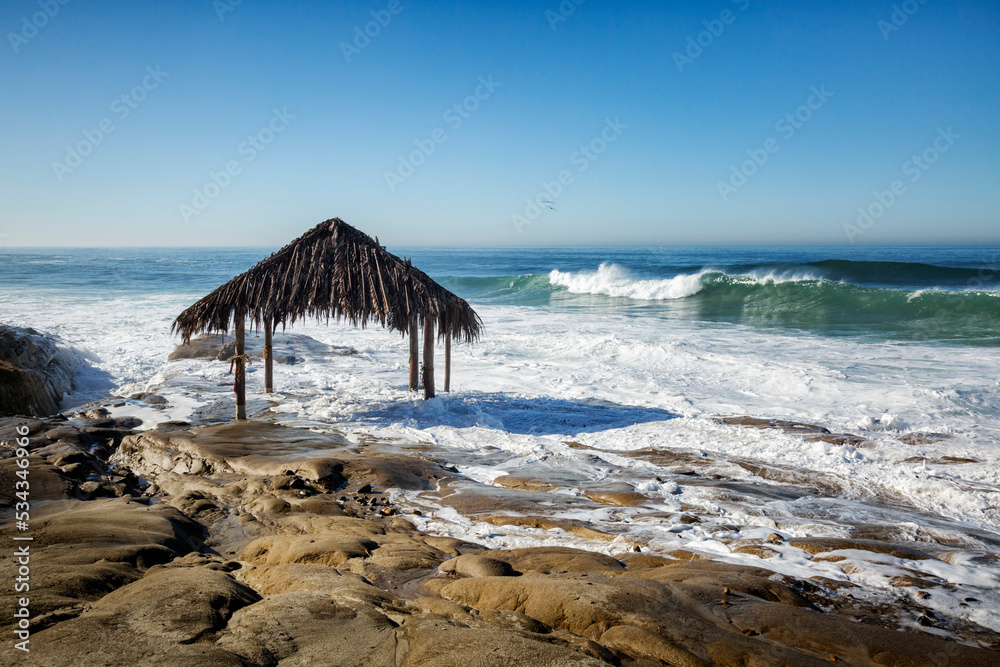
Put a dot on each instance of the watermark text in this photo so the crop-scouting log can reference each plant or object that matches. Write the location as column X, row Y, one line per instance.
column 913, row 169
column 248, row 149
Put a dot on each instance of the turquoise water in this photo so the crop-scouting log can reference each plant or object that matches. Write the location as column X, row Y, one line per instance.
column 947, row 295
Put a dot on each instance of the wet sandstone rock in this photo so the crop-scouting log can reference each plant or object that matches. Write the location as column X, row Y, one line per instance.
column 233, row 566
column 472, row 565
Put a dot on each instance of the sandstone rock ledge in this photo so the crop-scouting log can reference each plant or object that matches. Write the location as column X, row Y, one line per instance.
column 255, row 544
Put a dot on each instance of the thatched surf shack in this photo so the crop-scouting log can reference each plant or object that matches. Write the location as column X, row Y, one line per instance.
column 333, row 271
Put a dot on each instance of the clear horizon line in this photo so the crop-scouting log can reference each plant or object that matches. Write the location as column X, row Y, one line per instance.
column 985, row 244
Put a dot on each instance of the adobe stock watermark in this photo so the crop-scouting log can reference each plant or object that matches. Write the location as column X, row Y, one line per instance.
column 454, row 116
column 30, row 25
column 121, row 108
column 566, row 9
column 786, row 126
column 901, row 13
column 363, row 36
column 223, row 7
column 696, row 44
column 988, row 273
column 248, row 149
column 986, row 279
column 582, row 158
column 914, row 169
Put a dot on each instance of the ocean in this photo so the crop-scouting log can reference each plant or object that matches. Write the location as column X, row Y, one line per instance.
column 612, row 367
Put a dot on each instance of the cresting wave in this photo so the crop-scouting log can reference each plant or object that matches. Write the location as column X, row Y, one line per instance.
column 887, row 300
column 614, row 280
column 802, row 297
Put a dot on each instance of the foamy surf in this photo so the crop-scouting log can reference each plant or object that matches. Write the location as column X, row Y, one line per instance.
column 613, row 280
column 593, row 415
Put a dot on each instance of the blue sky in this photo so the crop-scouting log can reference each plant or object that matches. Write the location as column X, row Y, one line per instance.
column 313, row 119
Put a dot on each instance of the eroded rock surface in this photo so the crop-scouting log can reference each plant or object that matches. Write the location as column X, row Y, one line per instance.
column 256, row 544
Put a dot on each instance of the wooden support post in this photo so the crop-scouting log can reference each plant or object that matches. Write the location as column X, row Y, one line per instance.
column 429, row 358
column 241, row 367
column 268, row 361
column 414, row 355
column 447, row 363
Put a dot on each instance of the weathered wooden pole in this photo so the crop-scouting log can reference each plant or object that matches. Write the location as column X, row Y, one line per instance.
column 268, row 361
column 414, row 355
column 429, row 357
column 447, row 363
column 241, row 367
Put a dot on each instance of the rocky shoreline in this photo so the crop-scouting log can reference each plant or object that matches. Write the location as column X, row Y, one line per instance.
column 261, row 544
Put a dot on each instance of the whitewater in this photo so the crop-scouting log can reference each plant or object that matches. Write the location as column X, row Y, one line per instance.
column 615, row 369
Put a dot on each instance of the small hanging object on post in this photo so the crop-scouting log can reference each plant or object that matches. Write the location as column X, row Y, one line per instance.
column 429, row 358
column 234, row 362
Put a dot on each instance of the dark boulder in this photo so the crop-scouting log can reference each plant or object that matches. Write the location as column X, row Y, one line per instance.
column 35, row 372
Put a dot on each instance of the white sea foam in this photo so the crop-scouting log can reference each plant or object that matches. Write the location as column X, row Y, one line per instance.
column 612, row 279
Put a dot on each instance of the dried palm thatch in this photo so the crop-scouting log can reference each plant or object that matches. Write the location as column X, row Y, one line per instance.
column 333, row 270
